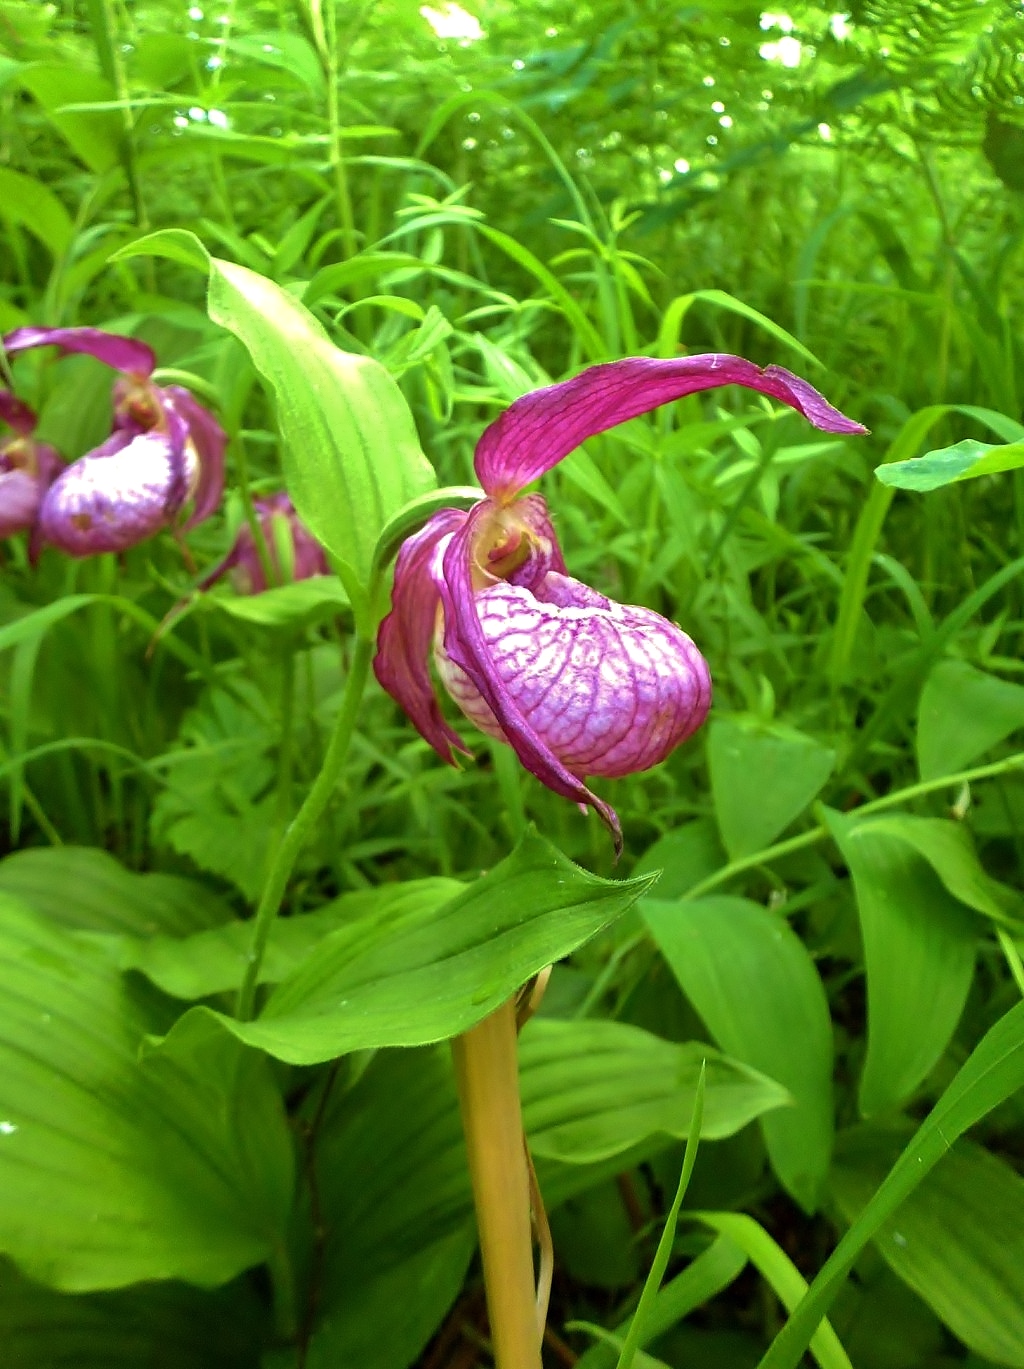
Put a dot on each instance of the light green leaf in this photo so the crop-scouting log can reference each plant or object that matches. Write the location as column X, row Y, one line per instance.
column 788, row 1284
column 114, row 1170
column 439, row 966
column 214, row 961
column 349, row 446
column 28, row 202
column 293, row 607
column 958, row 1241
column 965, row 460
column 993, row 1072
column 174, row 244
column 963, row 713
column 627, row 1085
column 919, row 945
column 763, row 775
column 709, row 1274
column 80, row 887
column 753, row 983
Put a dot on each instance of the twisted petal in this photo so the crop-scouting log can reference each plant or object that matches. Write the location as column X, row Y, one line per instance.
column 402, row 662
column 541, row 428
column 490, row 638
column 122, row 353
column 16, row 414
column 110, row 503
column 209, row 440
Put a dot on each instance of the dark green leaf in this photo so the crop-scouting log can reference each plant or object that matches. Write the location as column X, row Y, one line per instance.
column 962, row 714
column 958, row 1240
column 763, row 775
column 756, row 988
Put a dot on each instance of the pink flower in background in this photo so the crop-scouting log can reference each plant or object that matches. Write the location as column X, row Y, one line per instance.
column 576, row 684
column 27, row 468
column 165, row 449
column 294, row 552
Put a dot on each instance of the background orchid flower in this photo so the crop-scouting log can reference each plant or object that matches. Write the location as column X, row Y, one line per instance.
column 165, row 449
column 575, row 683
column 27, row 468
column 294, row 552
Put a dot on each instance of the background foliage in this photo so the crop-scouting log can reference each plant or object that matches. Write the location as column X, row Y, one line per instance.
column 839, row 918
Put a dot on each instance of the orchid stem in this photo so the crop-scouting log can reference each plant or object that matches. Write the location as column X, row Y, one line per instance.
column 487, row 1071
column 301, row 825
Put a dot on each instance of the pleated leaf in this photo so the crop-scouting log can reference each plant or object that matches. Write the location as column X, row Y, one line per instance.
column 115, row 1169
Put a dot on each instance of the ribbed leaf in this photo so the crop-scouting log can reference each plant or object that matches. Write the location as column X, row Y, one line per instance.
column 116, row 1170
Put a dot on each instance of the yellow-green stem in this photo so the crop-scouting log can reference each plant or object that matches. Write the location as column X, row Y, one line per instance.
column 487, row 1070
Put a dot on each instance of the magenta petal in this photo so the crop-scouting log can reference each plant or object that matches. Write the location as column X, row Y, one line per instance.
column 16, row 414
column 209, row 440
column 122, row 353
column 109, row 503
column 19, row 501
column 541, row 428
column 471, row 648
column 402, row 662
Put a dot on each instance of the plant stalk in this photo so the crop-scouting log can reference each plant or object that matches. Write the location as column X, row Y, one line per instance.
column 305, row 819
column 487, row 1071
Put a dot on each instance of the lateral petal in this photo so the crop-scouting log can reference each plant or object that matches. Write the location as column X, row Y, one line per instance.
column 402, row 662
column 209, row 440
column 122, row 353
column 542, row 427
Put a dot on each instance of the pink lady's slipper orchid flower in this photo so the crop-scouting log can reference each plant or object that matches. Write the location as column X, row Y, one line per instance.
column 575, row 683
column 293, row 551
column 165, row 449
column 27, row 468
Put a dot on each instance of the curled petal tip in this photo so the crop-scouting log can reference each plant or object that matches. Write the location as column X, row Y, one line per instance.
column 541, row 428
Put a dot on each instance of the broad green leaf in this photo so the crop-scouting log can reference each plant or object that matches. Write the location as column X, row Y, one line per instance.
column 157, row 1326
column 349, row 446
column 965, row 460
column 709, row 1274
column 958, row 1241
column 80, row 887
column 440, row 966
column 919, row 945
column 763, row 775
column 788, row 1284
column 753, row 983
column 294, row 607
column 948, row 849
column 214, row 961
column 94, row 137
column 993, row 1072
column 28, row 202
column 116, row 1170
column 963, row 713
column 628, row 1085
